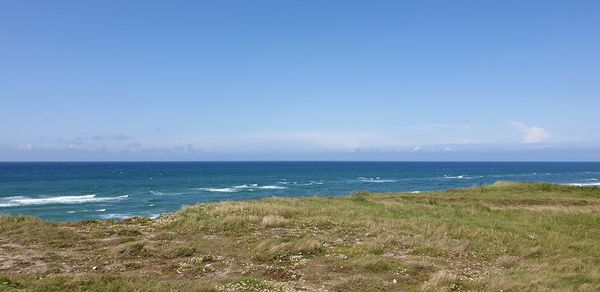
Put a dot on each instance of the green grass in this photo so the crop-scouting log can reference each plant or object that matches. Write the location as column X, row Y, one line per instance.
column 507, row 236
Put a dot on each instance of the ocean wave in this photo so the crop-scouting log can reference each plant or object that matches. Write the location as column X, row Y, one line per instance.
column 115, row 216
column 463, row 177
column 595, row 184
column 27, row 201
column 271, row 187
column 592, row 179
column 309, row 183
column 159, row 193
column 456, row 177
column 375, row 180
column 246, row 187
column 220, row 190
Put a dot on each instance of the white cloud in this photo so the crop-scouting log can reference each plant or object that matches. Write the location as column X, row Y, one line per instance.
column 531, row 135
column 282, row 141
column 117, row 137
column 25, row 147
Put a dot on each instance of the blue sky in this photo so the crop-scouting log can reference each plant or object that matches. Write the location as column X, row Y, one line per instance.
column 348, row 80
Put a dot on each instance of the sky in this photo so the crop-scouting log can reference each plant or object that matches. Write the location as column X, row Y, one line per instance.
column 299, row 80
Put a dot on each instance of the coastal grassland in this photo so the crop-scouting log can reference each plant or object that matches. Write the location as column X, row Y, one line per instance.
column 507, row 236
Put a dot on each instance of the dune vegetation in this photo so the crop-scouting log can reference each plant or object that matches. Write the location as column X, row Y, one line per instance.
column 503, row 237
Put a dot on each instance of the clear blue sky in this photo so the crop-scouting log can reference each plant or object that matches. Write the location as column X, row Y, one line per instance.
column 146, row 80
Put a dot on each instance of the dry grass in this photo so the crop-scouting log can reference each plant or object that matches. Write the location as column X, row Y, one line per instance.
column 442, row 281
column 510, row 237
column 273, row 221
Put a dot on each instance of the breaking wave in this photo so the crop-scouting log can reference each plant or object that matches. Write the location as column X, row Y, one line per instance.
column 375, row 180
column 219, row 190
column 27, row 201
column 248, row 187
column 115, row 216
column 463, row 177
column 584, row 184
column 271, row 187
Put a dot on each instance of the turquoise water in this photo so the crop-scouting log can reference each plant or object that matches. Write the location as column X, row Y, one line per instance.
column 115, row 190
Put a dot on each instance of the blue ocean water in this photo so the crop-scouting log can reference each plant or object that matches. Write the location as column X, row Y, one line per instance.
column 73, row 191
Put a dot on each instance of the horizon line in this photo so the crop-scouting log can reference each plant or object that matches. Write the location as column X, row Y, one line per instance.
column 238, row 161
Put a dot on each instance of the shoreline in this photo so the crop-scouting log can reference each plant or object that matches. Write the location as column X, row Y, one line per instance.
column 120, row 217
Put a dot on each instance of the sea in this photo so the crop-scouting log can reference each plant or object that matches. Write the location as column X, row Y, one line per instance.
column 76, row 191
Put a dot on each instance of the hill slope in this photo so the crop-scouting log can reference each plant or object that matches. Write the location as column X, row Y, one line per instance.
column 508, row 236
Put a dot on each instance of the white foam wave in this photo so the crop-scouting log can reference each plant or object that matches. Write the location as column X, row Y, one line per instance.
column 115, row 216
column 456, row 177
column 219, row 190
column 159, row 193
column 463, row 177
column 375, row 180
column 584, row 184
column 26, row 201
column 592, row 179
column 310, row 183
column 101, row 210
column 271, row 187
column 246, row 186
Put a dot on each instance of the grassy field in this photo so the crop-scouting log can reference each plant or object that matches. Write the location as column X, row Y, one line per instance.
column 504, row 237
